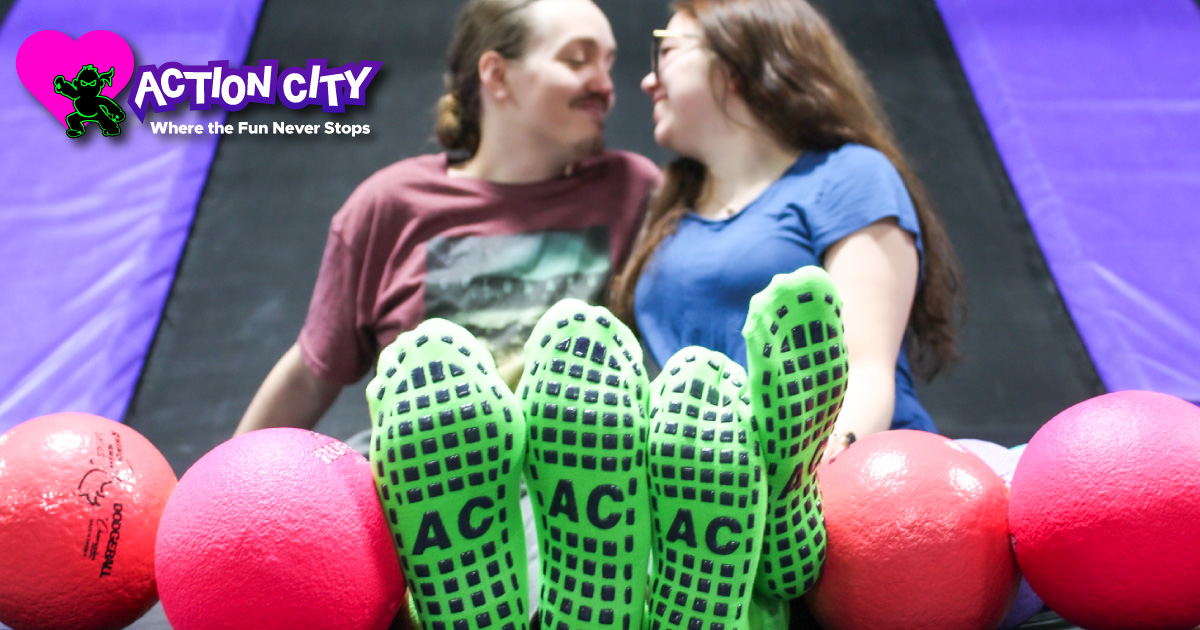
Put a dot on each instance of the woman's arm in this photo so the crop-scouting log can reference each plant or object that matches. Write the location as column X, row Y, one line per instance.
column 875, row 270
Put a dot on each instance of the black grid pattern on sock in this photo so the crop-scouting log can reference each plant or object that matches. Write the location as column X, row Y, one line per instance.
column 704, row 456
column 584, row 403
column 443, row 441
column 798, row 394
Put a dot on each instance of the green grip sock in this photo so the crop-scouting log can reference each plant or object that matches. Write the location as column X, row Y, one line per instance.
column 768, row 612
column 446, row 447
column 584, row 393
column 708, row 494
column 797, row 378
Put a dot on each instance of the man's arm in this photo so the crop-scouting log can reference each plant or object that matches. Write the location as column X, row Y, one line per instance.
column 290, row 396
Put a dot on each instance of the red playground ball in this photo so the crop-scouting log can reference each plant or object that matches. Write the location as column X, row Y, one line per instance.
column 278, row 529
column 80, row 502
column 918, row 538
column 1105, row 512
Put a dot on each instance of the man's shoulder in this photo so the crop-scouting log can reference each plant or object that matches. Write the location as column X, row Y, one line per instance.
column 388, row 192
column 396, row 181
column 406, row 172
column 628, row 159
column 624, row 165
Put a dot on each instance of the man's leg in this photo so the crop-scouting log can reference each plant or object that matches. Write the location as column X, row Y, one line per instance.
column 446, row 452
column 584, row 396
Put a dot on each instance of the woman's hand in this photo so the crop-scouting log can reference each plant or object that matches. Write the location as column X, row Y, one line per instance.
column 838, row 442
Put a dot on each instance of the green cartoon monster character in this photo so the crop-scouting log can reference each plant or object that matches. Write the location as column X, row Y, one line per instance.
column 90, row 106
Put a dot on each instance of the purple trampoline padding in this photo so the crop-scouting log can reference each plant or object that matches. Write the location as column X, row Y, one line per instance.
column 1095, row 110
column 91, row 230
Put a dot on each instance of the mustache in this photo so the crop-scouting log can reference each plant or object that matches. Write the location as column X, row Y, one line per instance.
column 600, row 98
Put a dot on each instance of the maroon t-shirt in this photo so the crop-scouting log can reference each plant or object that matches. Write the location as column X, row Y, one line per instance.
column 413, row 242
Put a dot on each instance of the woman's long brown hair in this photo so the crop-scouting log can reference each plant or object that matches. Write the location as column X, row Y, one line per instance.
column 801, row 83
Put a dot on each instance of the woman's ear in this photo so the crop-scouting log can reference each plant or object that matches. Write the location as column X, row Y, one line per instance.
column 493, row 75
column 724, row 84
column 734, row 83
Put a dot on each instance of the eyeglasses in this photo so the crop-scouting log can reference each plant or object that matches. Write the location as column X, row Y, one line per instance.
column 656, row 45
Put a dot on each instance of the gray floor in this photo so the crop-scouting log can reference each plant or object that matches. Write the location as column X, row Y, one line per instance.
column 156, row 619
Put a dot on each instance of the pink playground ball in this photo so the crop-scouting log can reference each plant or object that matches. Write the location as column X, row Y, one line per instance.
column 80, row 502
column 1105, row 512
column 278, row 529
column 918, row 538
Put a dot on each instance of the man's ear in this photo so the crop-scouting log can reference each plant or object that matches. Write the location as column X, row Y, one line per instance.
column 493, row 75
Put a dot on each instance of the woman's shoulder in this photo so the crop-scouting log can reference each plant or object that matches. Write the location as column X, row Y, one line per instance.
column 859, row 159
column 820, row 176
column 849, row 188
column 856, row 170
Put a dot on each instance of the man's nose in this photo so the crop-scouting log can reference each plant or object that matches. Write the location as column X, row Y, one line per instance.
column 602, row 83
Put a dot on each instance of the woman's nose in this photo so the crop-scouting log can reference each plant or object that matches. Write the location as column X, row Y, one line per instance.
column 649, row 83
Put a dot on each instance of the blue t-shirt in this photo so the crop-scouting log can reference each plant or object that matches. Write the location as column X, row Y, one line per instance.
column 696, row 289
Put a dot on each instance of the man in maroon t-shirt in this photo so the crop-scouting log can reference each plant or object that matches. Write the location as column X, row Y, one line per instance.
column 534, row 211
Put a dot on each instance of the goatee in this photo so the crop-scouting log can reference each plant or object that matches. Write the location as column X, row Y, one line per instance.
column 589, row 148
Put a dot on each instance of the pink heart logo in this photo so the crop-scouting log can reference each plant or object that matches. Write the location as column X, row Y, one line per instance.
column 49, row 54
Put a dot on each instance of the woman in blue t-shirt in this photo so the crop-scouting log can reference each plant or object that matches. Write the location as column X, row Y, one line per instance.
column 786, row 161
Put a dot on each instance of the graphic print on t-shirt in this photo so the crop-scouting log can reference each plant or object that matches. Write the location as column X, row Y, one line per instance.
column 497, row 287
